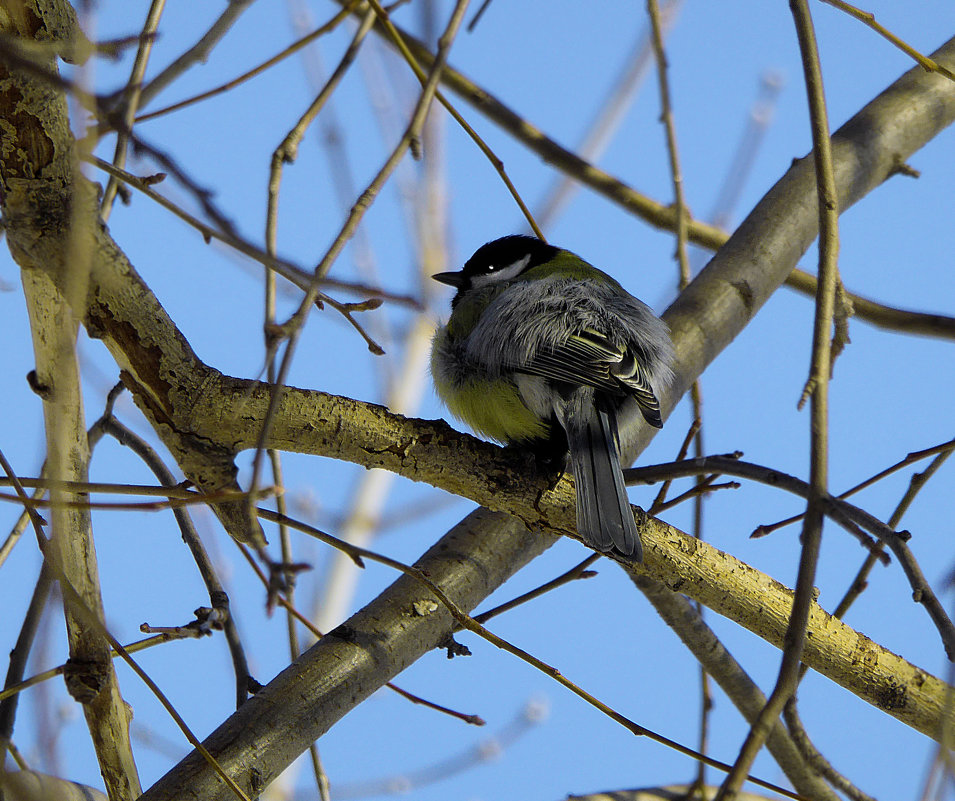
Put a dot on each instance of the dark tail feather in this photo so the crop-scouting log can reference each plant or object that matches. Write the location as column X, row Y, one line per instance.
column 604, row 517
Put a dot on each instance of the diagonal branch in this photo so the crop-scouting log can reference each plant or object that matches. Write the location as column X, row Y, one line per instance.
column 681, row 615
column 206, row 417
column 382, row 639
column 818, row 388
column 651, row 211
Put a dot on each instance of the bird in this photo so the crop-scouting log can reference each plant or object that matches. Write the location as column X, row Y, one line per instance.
column 544, row 351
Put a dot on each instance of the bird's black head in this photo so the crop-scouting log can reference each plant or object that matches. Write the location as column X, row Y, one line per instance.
column 501, row 260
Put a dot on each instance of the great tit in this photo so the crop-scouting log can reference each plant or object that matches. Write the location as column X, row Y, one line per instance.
column 543, row 350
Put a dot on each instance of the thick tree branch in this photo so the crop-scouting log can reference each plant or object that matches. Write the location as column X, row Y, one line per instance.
column 69, row 552
column 382, row 639
column 685, row 619
column 44, row 201
column 90, row 677
column 205, row 418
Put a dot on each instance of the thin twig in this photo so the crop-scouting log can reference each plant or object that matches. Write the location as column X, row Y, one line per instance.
column 683, row 260
column 191, row 499
column 257, row 70
column 177, row 491
column 274, row 456
column 578, row 571
column 218, row 598
column 840, row 511
column 198, row 53
column 131, row 100
column 16, row 533
column 288, row 558
column 465, row 621
column 926, row 63
column 59, row 670
column 666, row 117
column 916, row 483
column 202, row 195
column 404, row 44
column 818, row 385
column 21, row 651
column 702, row 488
column 473, row 720
column 287, row 150
column 334, row 137
column 914, row 456
column 681, row 455
column 294, row 326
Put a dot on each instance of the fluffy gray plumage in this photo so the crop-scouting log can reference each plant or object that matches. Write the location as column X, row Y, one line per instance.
column 529, row 317
column 577, row 350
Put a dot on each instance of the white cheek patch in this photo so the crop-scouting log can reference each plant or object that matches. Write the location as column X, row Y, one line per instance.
column 501, row 274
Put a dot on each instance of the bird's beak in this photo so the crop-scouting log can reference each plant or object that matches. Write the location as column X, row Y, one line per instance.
column 451, row 279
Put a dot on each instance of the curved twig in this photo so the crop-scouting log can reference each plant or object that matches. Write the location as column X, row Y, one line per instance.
column 218, row 597
column 838, row 509
column 651, row 211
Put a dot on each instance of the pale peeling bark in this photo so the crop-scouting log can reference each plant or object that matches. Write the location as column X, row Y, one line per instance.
column 90, row 677
column 33, row 148
column 714, row 309
column 45, row 200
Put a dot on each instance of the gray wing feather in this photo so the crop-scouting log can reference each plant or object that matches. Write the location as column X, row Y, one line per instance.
column 580, row 332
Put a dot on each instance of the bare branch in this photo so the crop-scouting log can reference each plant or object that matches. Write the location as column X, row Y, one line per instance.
column 928, row 64
column 131, row 99
column 818, row 387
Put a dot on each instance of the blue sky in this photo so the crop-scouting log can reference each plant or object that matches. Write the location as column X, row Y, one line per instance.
column 552, row 62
